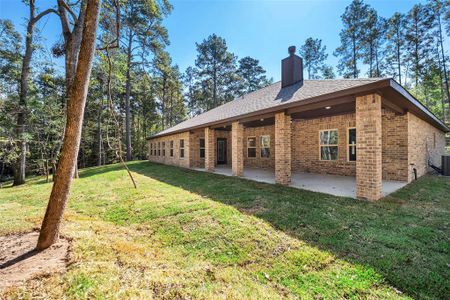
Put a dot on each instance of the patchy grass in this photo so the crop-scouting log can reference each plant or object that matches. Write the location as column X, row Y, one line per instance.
column 187, row 234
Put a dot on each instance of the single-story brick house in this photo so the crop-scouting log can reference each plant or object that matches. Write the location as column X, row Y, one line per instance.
column 371, row 129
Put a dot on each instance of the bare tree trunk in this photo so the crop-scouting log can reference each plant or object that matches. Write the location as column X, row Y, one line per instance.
column 163, row 102
column 399, row 57
column 355, row 72
column 127, row 97
column 46, row 171
column 444, row 62
column 75, row 112
column 99, row 135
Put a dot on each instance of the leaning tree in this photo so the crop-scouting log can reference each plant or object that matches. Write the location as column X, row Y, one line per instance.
column 82, row 47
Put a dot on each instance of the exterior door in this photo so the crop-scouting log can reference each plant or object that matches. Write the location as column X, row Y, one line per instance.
column 221, row 151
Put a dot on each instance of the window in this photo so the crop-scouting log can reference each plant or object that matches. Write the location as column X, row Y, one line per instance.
column 171, row 148
column 265, row 146
column 159, row 148
column 151, row 148
column 329, row 145
column 202, row 148
column 163, row 148
column 352, row 144
column 251, row 147
column 181, row 148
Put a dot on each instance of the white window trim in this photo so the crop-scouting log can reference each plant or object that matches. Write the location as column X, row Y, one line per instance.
column 320, row 145
column 256, row 141
column 179, row 148
column 261, row 147
column 200, row 148
column 348, row 145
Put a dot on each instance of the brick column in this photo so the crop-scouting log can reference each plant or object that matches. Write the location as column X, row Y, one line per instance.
column 368, row 147
column 210, row 149
column 237, row 149
column 282, row 148
column 187, row 152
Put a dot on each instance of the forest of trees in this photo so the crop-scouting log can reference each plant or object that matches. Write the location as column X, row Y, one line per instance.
column 136, row 90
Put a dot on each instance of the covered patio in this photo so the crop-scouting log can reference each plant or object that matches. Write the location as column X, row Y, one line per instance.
column 344, row 186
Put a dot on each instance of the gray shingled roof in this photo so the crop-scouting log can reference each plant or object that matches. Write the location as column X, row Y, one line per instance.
column 269, row 97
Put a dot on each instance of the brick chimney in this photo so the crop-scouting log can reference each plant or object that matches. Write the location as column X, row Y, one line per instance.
column 291, row 69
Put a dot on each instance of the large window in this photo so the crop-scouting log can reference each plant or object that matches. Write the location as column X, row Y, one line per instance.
column 352, row 144
column 159, row 148
column 329, row 145
column 251, row 146
column 163, row 148
column 202, row 148
column 265, row 146
column 171, row 148
column 181, row 148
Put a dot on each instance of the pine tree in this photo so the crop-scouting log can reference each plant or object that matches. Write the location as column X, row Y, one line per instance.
column 350, row 50
column 251, row 75
column 216, row 71
column 372, row 42
column 395, row 43
column 418, row 40
column 437, row 10
column 143, row 31
column 328, row 72
column 314, row 56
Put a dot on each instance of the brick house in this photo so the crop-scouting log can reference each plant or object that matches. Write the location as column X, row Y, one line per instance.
column 370, row 129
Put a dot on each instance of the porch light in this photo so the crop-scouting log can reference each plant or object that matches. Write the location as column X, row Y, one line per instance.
column 327, row 107
column 261, row 120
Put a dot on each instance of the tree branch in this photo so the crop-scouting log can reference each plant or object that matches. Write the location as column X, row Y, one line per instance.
column 45, row 12
column 66, row 7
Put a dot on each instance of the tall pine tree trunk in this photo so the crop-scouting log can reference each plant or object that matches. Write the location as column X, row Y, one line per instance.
column 399, row 66
column 444, row 62
column 127, row 97
column 99, row 136
column 355, row 70
column 75, row 111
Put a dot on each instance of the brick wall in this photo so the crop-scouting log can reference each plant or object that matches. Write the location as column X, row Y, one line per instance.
column 305, row 145
column 175, row 160
column 425, row 141
column 395, row 146
column 258, row 161
column 397, row 153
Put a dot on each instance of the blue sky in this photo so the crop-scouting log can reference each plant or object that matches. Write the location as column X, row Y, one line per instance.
column 262, row 29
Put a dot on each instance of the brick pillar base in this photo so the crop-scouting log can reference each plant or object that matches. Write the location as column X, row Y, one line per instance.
column 237, row 149
column 282, row 148
column 210, row 149
column 368, row 147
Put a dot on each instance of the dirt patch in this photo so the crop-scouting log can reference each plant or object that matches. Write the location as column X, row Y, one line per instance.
column 19, row 261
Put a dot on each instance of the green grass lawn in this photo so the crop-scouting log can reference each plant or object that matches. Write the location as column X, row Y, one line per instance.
column 187, row 234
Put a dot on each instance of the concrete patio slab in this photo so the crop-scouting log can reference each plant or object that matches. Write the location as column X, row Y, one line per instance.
column 336, row 185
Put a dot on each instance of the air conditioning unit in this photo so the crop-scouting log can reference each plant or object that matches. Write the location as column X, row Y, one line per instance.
column 446, row 165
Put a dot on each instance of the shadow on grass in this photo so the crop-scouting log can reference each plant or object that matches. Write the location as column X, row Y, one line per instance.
column 404, row 237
